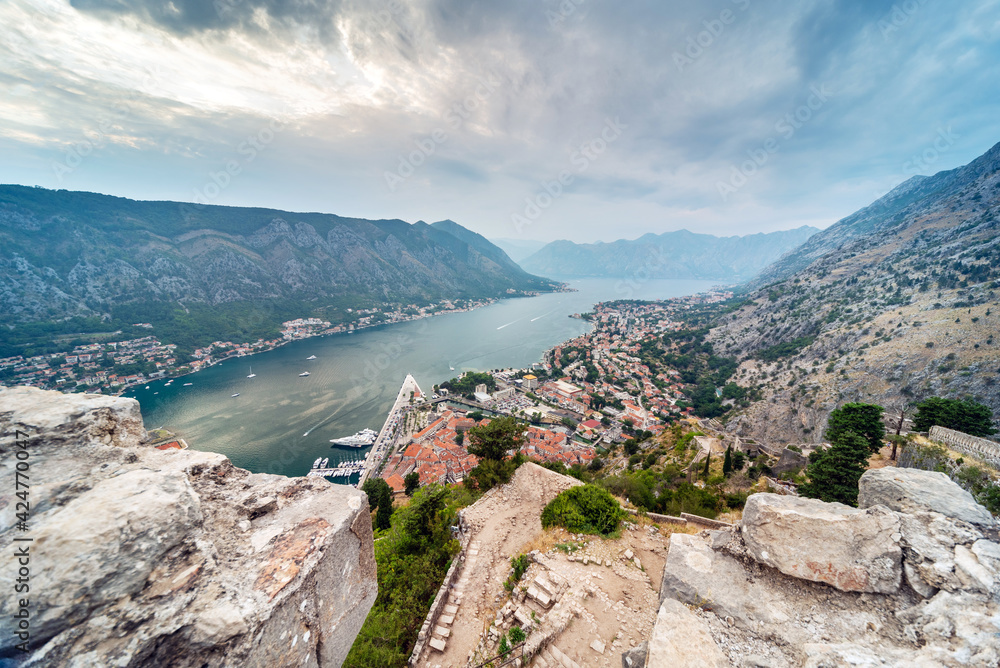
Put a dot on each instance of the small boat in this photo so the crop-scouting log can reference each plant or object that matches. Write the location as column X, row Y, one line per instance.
column 252, row 374
column 236, row 395
column 303, row 374
column 147, row 387
column 317, row 462
column 311, row 357
column 186, row 384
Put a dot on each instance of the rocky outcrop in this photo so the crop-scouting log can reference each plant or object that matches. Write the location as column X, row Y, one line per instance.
column 143, row 557
column 681, row 640
column 754, row 588
column 851, row 549
column 912, row 491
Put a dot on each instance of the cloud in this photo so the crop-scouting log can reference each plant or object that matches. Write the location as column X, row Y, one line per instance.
column 184, row 17
column 507, row 93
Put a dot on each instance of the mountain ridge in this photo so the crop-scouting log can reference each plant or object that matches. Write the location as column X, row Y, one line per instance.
column 896, row 303
column 676, row 254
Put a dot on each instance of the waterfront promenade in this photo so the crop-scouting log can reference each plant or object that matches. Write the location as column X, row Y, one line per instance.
column 388, row 436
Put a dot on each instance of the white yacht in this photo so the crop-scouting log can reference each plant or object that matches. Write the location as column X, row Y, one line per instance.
column 252, row 374
column 303, row 374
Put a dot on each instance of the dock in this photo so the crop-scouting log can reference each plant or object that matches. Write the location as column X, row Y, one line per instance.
column 388, row 436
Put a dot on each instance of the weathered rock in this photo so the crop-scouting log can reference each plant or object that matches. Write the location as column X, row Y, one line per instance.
column 176, row 558
column 912, row 491
column 681, row 640
column 635, row 657
column 850, row 549
column 104, row 544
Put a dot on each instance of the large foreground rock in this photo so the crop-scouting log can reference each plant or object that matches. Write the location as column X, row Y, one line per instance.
column 176, row 558
column 850, row 549
column 681, row 640
column 913, row 491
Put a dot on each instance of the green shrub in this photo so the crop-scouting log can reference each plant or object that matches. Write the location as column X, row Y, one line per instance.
column 584, row 509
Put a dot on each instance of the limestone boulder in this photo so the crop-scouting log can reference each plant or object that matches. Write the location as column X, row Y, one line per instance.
column 681, row 640
column 913, row 491
column 848, row 548
column 142, row 557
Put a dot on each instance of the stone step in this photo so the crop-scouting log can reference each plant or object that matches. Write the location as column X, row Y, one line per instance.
column 450, row 609
column 446, row 620
column 564, row 660
column 437, row 644
column 441, row 632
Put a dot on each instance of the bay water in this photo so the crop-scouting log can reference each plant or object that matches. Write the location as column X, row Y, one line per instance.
column 281, row 422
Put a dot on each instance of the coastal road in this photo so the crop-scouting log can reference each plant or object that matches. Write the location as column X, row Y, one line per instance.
column 388, row 436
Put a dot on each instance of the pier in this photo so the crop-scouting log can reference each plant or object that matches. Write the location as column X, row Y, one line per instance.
column 388, row 436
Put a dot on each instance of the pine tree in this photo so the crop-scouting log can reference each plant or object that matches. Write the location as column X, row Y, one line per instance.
column 863, row 420
column 727, row 463
column 834, row 473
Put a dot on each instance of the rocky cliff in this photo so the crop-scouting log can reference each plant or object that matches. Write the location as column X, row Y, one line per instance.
column 141, row 557
column 911, row 578
column 894, row 304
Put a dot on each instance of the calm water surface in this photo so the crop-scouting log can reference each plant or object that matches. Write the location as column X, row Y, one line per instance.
column 281, row 423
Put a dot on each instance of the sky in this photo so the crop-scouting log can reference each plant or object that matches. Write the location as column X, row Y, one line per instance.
column 588, row 120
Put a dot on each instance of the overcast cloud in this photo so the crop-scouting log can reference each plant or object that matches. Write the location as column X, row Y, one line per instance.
column 582, row 119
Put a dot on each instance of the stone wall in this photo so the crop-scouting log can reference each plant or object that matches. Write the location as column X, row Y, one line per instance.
column 685, row 519
column 984, row 449
column 141, row 557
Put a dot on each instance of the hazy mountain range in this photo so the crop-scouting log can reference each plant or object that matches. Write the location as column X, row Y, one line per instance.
column 79, row 254
column 896, row 302
column 680, row 254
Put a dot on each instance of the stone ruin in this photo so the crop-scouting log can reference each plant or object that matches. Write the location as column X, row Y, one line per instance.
column 141, row 557
column 910, row 578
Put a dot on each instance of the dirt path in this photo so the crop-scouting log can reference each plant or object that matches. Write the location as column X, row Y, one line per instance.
column 608, row 601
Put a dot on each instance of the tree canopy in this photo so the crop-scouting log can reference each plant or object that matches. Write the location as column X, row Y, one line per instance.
column 864, row 420
column 380, row 497
column 494, row 440
column 834, row 473
column 967, row 416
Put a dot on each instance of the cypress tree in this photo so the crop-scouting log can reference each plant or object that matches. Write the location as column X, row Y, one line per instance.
column 708, row 459
column 727, row 463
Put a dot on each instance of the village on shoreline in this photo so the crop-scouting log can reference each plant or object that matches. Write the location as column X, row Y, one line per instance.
column 116, row 366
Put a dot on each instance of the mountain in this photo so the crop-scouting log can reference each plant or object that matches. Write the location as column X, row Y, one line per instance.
column 518, row 249
column 85, row 254
column 679, row 254
column 893, row 304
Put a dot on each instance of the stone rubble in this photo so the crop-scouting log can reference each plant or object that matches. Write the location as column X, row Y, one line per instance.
column 910, row 578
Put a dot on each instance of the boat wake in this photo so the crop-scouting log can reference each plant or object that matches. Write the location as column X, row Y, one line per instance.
column 541, row 316
column 337, row 412
column 509, row 323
